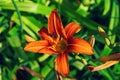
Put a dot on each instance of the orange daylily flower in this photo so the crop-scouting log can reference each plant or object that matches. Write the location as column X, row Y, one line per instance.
column 60, row 41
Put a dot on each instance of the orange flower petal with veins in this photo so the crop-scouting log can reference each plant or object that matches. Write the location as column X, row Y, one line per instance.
column 79, row 45
column 47, row 50
column 36, row 46
column 72, row 28
column 55, row 26
column 51, row 25
column 61, row 64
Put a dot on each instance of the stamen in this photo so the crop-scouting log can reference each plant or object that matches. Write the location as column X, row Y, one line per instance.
column 61, row 46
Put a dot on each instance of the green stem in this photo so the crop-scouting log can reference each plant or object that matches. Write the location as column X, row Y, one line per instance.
column 19, row 16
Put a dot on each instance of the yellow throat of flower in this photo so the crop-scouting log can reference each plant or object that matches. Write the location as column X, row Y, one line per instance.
column 61, row 46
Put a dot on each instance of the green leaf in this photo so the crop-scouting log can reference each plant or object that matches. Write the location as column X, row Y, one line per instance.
column 70, row 12
column 45, row 71
column 25, row 27
column 107, row 5
column 43, row 57
column 106, row 51
column 47, row 68
column 34, row 65
column 14, row 39
column 114, row 19
column 31, row 25
column 27, row 6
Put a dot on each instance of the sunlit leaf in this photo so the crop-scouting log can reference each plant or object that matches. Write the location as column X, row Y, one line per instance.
column 27, row 6
column 29, row 39
column 107, row 4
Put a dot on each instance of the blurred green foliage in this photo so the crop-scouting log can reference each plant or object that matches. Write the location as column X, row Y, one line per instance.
column 21, row 17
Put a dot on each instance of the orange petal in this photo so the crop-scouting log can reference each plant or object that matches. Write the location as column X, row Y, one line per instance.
column 55, row 26
column 79, row 45
column 51, row 25
column 41, row 31
column 103, row 66
column 61, row 64
column 44, row 34
column 35, row 46
column 72, row 28
column 47, row 50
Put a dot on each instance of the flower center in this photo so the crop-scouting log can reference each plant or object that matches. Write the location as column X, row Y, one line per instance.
column 61, row 46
